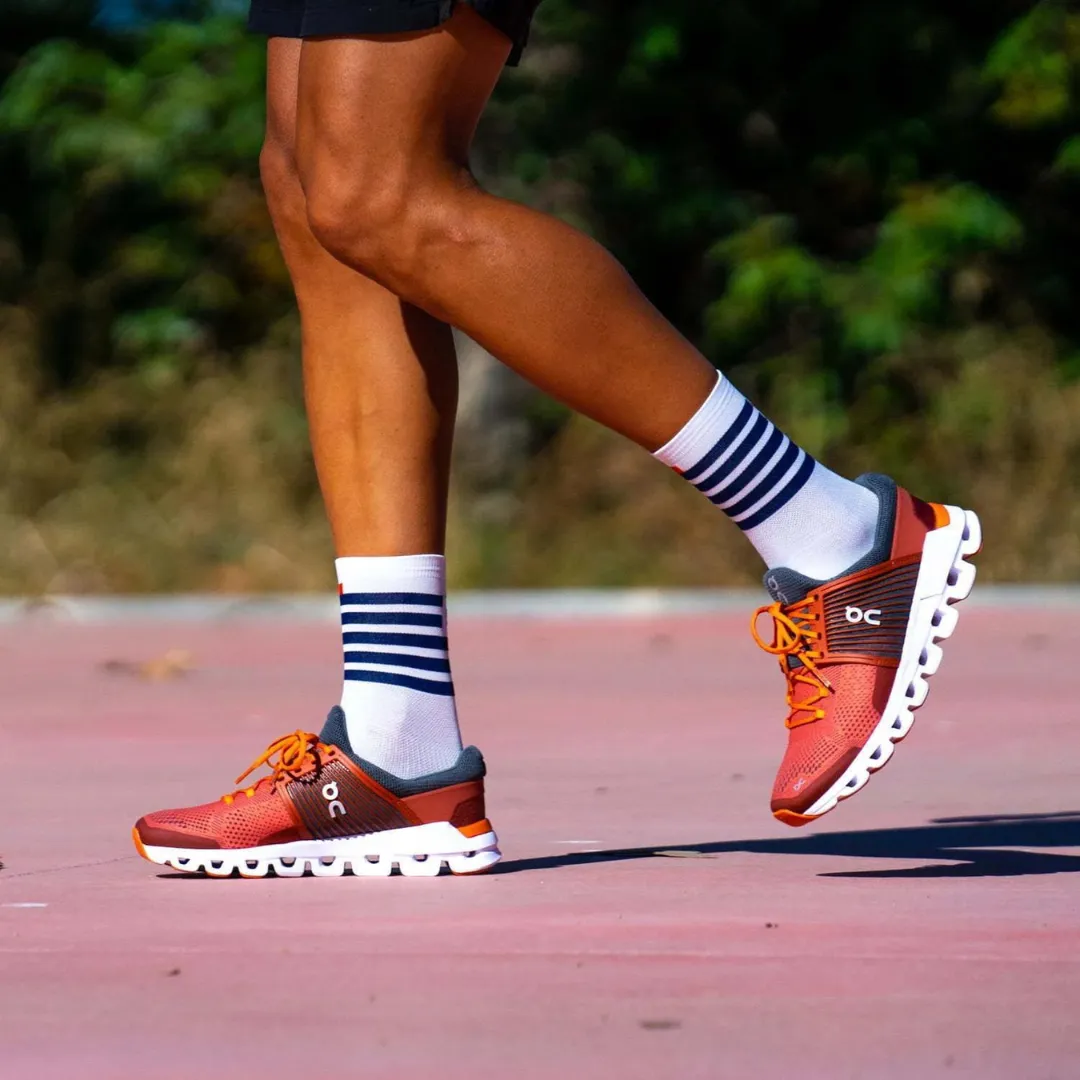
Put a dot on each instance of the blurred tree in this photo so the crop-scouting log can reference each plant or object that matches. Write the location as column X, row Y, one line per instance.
column 866, row 212
column 135, row 224
column 829, row 175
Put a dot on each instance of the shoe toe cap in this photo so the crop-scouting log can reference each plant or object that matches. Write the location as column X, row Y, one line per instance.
column 152, row 832
column 798, row 788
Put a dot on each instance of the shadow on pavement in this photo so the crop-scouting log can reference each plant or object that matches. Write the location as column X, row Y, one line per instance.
column 987, row 846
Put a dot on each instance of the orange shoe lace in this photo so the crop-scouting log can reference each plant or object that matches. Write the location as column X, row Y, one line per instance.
column 795, row 634
column 292, row 750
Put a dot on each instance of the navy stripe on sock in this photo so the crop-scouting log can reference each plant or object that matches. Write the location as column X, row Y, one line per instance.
column 396, row 659
column 422, row 641
column 722, row 444
column 738, row 455
column 392, row 618
column 752, row 471
column 768, row 482
column 423, row 599
column 392, row 678
column 782, row 497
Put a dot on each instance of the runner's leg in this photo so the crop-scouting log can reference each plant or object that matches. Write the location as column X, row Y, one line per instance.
column 380, row 380
column 380, row 375
column 382, row 149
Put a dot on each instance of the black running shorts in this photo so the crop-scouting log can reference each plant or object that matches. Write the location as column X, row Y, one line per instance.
column 338, row 18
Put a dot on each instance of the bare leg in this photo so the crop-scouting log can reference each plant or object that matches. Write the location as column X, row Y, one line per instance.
column 382, row 152
column 380, row 375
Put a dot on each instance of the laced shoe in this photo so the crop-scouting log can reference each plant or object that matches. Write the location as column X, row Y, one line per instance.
column 857, row 651
column 323, row 811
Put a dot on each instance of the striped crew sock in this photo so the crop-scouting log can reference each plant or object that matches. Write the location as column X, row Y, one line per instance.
column 398, row 696
column 797, row 513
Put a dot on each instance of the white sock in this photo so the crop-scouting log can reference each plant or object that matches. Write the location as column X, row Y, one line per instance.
column 797, row 513
column 398, row 696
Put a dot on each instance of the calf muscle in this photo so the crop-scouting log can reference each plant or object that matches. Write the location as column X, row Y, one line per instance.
column 380, row 375
column 383, row 131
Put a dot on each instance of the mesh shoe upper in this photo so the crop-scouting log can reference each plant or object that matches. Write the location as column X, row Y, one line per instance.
column 839, row 644
column 263, row 818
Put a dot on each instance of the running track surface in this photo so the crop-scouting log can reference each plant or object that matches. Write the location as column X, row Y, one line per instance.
column 651, row 919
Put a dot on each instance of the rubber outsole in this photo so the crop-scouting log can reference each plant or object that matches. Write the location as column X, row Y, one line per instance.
column 419, row 851
column 945, row 579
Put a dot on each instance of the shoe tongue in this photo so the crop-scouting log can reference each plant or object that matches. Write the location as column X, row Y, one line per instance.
column 789, row 586
column 334, row 732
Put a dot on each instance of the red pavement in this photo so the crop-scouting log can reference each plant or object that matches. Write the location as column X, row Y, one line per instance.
column 651, row 919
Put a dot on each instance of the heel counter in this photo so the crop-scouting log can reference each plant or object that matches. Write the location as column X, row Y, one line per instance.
column 461, row 804
column 914, row 519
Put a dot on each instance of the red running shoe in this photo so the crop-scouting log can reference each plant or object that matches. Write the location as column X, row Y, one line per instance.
column 323, row 811
column 857, row 651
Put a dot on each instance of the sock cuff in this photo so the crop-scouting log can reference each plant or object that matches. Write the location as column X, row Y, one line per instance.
column 394, row 573
column 718, row 411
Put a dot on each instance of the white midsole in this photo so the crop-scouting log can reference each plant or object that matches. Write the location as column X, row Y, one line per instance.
column 945, row 578
column 419, row 848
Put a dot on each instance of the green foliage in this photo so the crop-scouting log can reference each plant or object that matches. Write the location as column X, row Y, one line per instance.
column 866, row 212
column 895, row 290
column 806, row 187
column 133, row 196
column 1068, row 159
column 1034, row 65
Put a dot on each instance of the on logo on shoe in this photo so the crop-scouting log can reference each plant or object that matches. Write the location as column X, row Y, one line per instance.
column 855, row 615
column 330, row 794
column 774, row 587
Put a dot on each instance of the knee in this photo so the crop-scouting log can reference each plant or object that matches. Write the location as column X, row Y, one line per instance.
column 280, row 181
column 385, row 228
column 365, row 225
